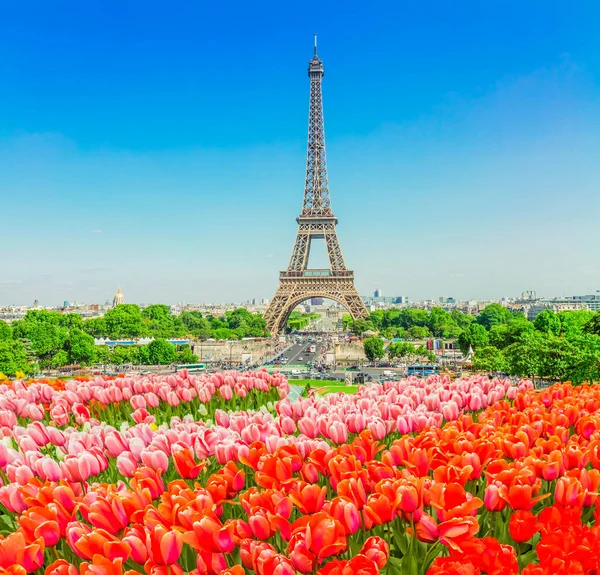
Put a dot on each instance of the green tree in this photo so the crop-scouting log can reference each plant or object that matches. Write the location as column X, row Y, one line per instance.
column 489, row 359
column 5, row 331
column 584, row 359
column 424, row 353
column 122, row 354
column 591, row 327
column 125, row 321
column 408, row 318
column 462, row 320
column 161, row 351
column 103, row 354
column 492, row 315
column 573, row 322
column 195, row 324
column 95, row 326
column 418, row 332
column 187, row 356
column 71, row 320
column 80, row 347
column 505, row 334
column 441, row 324
column 373, row 347
column 524, row 357
column 400, row 349
column 547, row 322
column 60, row 358
column 473, row 336
column 222, row 333
column 376, row 319
column 360, row 325
column 160, row 323
column 46, row 339
column 13, row 357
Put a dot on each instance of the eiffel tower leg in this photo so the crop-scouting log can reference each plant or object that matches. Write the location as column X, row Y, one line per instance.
column 276, row 308
column 292, row 291
column 301, row 251
column 334, row 251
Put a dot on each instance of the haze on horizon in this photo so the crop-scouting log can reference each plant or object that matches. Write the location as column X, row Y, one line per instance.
column 164, row 151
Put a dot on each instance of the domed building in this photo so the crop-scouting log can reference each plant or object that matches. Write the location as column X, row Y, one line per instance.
column 119, row 298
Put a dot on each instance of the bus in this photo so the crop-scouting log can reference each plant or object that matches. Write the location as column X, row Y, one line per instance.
column 423, row 370
column 192, row 367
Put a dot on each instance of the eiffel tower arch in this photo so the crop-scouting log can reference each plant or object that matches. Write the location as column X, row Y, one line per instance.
column 316, row 221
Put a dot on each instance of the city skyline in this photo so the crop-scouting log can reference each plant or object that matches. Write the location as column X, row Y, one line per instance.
column 174, row 167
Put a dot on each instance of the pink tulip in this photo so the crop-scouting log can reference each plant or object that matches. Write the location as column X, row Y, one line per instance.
column 225, row 452
column 152, row 399
column 35, row 412
column 137, row 402
column 60, row 415
column 355, row 422
column 49, row 469
column 20, row 474
column 126, row 464
column 156, row 460
column 142, row 416
column 115, row 444
column 308, row 427
column 226, row 392
column 338, row 432
column 76, row 469
column 221, row 418
column 11, row 498
column 475, row 403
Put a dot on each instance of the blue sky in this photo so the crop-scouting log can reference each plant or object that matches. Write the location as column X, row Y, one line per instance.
column 161, row 147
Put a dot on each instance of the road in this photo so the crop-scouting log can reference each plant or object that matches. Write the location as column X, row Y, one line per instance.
column 298, row 354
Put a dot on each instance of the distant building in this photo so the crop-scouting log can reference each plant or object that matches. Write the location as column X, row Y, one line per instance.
column 378, row 293
column 569, row 303
column 448, row 300
column 384, row 300
column 529, row 294
column 316, row 301
column 119, row 298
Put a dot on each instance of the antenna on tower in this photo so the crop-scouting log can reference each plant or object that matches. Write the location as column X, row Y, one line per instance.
column 315, row 45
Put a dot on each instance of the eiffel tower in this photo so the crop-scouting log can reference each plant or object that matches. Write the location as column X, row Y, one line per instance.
column 298, row 283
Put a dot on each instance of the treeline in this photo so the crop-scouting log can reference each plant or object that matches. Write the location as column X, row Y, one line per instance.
column 128, row 321
column 44, row 339
column 562, row 346
column 412, row 323
column 298, row 320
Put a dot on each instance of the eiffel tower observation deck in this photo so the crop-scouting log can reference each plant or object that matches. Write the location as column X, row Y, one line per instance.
column 316, row 221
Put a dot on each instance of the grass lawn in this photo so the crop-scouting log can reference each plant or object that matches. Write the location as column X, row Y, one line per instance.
column 324, row 386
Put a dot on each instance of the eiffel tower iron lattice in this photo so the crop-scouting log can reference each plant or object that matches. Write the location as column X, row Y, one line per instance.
column 316, row 221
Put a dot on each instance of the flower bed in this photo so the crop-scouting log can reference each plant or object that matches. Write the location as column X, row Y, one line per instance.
column 417, row 476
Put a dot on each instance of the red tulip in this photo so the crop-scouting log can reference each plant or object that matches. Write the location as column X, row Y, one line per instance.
column 302, row 558
column 346, row 512
column 61, row 567
column 164, row 546
column 522, row 526
column 376, row 549
column 308, row 498
column 185, row 464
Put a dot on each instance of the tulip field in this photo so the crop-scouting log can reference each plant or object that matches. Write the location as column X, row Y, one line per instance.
column 223, row 474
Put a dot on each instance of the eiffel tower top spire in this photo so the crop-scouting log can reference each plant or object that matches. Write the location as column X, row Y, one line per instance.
column 316, row 189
